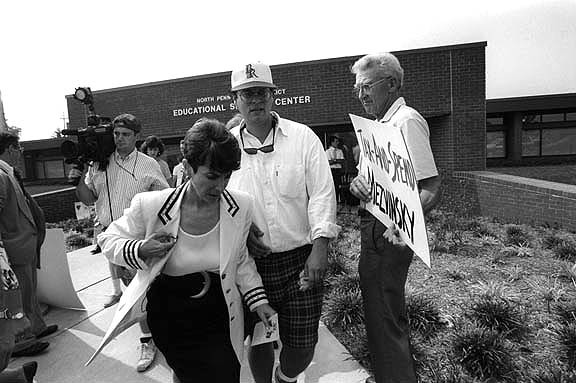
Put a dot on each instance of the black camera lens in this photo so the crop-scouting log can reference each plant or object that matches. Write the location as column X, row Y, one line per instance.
column 69, row 149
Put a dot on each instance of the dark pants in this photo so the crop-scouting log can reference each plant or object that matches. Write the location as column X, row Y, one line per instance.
column 28, row 280
column 383, row 269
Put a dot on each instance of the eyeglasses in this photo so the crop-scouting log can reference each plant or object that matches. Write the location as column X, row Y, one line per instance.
column 367, row 88
column 20, row 148
column 263, row 149
column 248, row 94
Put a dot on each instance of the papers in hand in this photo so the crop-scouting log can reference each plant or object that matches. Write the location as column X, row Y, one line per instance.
column 266, row 335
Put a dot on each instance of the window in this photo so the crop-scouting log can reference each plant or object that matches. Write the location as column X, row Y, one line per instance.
column 553, row 117
column 491, row 121
column 496, row 144
column 530, row 143
column 559, row 141
column 531, row 118
column 51, row 169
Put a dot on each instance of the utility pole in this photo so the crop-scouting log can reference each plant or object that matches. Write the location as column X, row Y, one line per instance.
column 3, row 124
column 63, row 118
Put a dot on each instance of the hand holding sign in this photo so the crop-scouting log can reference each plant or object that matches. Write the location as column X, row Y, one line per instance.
column 392, row 234
column 360, row 188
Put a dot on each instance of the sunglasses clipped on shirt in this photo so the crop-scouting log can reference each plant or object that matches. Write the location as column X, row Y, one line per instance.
column 264, row 149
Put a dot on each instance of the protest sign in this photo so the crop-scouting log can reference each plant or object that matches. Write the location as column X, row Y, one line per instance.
column 388, row 167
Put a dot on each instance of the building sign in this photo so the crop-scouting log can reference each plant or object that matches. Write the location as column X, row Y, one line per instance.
column 389, row 170
column 225, row 103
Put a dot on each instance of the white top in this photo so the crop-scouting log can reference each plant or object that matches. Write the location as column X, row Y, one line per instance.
column 292, row 186
column 178, row 173
column 335, row 154
column 134, row 174
column 194, row 253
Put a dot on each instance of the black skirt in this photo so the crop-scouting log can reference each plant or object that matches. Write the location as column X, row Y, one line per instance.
column 192, row 333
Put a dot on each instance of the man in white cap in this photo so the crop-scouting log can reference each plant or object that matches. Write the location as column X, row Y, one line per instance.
column 286, row 170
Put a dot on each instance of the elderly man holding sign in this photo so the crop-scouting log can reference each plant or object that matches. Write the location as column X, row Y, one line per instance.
column 390, row 175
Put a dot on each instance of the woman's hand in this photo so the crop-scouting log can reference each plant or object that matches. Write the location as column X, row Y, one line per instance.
column 264, row 312
column 155, row 247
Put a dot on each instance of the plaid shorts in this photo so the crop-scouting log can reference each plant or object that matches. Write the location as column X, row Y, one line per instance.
column 298, row 311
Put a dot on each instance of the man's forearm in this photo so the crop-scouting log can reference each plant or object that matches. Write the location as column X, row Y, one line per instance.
column 84, row 194
column 321, row 243
column 429, row 193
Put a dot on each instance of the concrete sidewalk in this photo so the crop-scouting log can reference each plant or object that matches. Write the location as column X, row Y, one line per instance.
column 81, row 332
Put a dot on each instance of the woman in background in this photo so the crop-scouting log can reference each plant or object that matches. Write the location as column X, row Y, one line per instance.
column 154, row 147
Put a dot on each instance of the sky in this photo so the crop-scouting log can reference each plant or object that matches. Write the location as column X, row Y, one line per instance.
column 49, row 48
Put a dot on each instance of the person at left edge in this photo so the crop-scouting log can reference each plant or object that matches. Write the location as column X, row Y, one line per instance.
column 22, row 232
column 128, row 172
column 195, row 308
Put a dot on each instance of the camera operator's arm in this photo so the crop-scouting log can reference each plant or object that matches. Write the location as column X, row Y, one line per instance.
column 83, row 192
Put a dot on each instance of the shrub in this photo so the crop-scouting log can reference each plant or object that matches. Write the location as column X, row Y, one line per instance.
column 552, row 240
column 452, row 373
column 77, row 240
column 500, row 315
column 484, row 353
column 344, row 283
column 567, row 337
column 77, row 225
column 516, row 235
column 337, row 264
column 549, row 289
column 423, row 314
column 553, row 374
column 566, row 312
column 343, row 309
column 356, row 342
column 494, row 289
column 566, row 251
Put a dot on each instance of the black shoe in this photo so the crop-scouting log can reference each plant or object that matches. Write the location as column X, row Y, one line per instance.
column 47, row 331
column 35, row 349
column 96, row 250
column 30, row 369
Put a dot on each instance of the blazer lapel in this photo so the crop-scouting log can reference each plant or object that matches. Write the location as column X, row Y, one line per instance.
column 169, row 213
column 228, row 228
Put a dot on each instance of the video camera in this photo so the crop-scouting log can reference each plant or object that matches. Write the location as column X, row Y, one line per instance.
column 95, row 141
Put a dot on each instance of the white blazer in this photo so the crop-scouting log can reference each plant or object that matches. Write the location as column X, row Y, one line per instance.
column 159, row 211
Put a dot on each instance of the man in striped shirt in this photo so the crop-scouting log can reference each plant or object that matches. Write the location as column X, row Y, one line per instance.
column 128, row 173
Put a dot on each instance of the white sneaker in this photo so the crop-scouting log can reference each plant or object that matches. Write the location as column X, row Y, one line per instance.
column 147, row 355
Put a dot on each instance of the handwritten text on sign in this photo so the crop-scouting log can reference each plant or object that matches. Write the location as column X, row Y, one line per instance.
column 387, row 166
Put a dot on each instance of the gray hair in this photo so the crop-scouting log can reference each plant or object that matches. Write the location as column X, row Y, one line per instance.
column 386, row 63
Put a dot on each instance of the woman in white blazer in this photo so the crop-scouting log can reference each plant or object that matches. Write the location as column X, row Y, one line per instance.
column 195, row 305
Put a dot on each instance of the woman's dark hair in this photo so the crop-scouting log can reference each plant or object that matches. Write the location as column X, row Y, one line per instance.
column 8, row 139
column 152, row 142
column 209, row 143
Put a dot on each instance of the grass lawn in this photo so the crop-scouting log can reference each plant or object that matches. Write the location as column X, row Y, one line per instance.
column 498, row 304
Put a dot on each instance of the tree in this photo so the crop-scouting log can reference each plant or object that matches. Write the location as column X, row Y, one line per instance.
column 57, row 133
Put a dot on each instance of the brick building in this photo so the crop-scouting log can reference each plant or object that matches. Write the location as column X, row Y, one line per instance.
column 446, row 84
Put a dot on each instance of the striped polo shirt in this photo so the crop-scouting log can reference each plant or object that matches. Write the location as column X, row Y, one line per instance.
column 136, row 173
